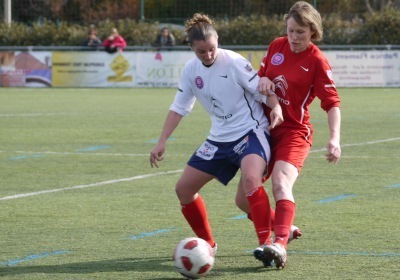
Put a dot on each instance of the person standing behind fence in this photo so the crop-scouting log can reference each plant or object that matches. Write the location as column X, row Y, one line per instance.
column 297, row 71
column 224, row 83
column 114, row 42
column 92, row 40
column 164, row 39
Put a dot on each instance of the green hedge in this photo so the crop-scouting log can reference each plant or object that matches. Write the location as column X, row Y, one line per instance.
column 379, row 28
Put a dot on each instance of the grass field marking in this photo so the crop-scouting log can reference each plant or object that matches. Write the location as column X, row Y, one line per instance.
column 93, row 148
column 346, row 253
column 393, row 186
column 26, row 156
column 360, row 144
column 35, row 114
column 337, row 253
column 137, row 155
column 239, row 217
column 33, row 257
column 90, row 185
column 359, row 157
column 335, row 198
column 85, row 153
column 151, row 233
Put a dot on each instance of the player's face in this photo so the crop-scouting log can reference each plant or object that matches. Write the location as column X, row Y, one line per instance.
column 299, row 36
column 206, row 51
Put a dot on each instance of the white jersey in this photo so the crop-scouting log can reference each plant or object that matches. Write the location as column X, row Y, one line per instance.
column 227, row 90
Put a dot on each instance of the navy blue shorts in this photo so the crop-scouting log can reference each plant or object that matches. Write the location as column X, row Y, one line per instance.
column 222, row 159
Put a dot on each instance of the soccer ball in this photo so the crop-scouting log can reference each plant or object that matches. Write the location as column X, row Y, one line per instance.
column 193, row 257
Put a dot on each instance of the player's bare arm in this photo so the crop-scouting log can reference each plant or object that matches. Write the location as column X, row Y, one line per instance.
column 265, row 85
column 276, row 110
column 170, row 124
column 333, row 146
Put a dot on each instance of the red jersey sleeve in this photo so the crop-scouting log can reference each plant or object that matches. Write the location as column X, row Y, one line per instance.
column 324, row 86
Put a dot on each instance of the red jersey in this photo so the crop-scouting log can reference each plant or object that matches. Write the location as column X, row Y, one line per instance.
column 298, row 79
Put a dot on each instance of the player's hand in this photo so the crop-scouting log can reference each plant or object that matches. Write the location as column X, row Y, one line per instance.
column 334, row 152
column 276, row 117
column 156, row 155
column 265, row 85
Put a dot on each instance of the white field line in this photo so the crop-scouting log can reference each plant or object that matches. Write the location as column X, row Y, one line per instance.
column 35, row 114
column 149, row 175
column 86, row 153
column 89, row 185
column 359, row 144
column 145, row 155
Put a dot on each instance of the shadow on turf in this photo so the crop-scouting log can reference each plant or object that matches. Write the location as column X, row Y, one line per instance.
column 144, row 265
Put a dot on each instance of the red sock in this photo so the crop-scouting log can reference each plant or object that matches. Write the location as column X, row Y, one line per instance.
column 260, row 214
column 284, row 216
column 195, row 214
column 272, row 211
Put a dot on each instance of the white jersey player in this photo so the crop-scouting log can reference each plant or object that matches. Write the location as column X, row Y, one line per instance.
column 227, row 90
column 225, row 85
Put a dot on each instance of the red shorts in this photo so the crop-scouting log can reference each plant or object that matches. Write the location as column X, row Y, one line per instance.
column 290, row 146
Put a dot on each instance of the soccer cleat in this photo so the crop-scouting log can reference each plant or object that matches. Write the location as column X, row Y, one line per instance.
column 295, row 233
column 277, row 253
column 259, row 255
column 215, row 248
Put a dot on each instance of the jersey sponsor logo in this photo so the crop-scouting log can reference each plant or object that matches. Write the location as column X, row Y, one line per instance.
column 241, row 145
column 224, row 76
column 224, row 117
column 280, row 83
column 248, row 68
column 199, row 82
column 206, row 151
column 305, row 69
column 277, row 59
column 216, row 106
column 284, row 101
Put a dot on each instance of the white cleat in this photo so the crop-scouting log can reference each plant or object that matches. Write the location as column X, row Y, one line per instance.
column 277, row 253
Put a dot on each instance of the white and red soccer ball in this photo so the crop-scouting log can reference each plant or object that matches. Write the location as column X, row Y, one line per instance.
column 193, row 257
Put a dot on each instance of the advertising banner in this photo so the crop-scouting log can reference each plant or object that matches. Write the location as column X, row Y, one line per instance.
column 93, row 69
column 371, row 68
column 160, row 69
column 25, row 69
column 365, row 68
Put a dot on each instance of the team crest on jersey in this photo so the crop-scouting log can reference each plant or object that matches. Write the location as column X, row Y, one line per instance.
column 199, row 82
column 277, row 59
column 248, row 68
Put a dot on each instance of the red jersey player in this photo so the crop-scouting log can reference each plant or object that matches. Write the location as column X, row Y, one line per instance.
column 297, row 71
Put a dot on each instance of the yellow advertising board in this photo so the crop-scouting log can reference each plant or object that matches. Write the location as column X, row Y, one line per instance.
column 87, row 69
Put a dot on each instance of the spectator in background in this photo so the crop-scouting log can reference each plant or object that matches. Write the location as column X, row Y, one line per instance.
column 92, row 40
column 114, row 42
column 164, row 39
